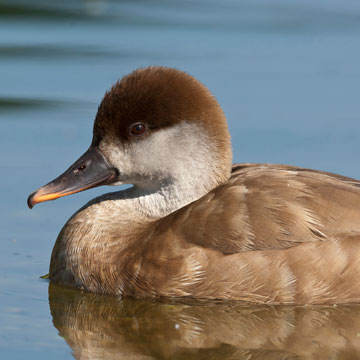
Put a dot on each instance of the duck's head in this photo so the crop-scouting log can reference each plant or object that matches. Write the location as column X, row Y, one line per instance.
column 156, row 128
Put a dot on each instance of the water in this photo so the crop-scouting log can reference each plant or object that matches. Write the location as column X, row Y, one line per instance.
column 287, row 75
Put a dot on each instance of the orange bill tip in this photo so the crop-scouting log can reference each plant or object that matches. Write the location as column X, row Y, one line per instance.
column 36, row 197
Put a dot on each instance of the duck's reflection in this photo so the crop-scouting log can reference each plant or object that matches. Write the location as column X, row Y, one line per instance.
column 103, row 327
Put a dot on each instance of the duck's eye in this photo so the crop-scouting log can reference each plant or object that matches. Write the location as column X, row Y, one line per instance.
column 138, row 129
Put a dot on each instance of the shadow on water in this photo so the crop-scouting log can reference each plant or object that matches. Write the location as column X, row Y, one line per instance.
column 105, row 327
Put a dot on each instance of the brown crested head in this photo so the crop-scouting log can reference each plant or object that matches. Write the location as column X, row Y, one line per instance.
column 157, row 128
column 158, row 97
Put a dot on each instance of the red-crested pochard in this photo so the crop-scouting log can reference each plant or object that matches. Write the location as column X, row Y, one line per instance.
column 193, row 224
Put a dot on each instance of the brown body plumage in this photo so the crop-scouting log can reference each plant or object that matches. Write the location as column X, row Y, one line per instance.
column 267, row 234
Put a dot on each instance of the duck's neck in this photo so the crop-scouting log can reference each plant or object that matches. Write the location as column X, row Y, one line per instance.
column 163, row 201
column 169, row 196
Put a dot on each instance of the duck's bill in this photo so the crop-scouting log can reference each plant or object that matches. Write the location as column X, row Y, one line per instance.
column 89, row 171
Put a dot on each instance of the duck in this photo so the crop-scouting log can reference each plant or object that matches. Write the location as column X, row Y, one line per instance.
column 193, row 225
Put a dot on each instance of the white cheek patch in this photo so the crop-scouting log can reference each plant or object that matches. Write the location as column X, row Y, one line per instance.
column 175, row 164
column 166, row 153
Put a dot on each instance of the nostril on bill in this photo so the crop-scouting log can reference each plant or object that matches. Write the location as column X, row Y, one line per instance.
column 80, row 168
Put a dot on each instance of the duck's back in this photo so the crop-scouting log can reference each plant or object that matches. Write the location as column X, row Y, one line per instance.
column 265, row 206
